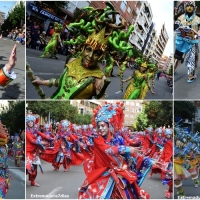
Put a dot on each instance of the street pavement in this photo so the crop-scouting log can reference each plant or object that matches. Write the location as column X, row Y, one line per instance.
column 65, row 185
column 190, row 191
column 17, row 182
column 47, row 68
column 183, row 89
column 15, row 89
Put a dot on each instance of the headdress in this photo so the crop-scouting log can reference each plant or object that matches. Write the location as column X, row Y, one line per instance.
column 190, row 3
column 16, row 136
column 84, row 127
column 3, row 134
column 65, row 123
column 58, row 26
column 168, row 131
column 149, row 130
column 109, row 113
column 48, row 126
column 144, row 64
column 98, row 41
column 159, row 130
column 33, row 118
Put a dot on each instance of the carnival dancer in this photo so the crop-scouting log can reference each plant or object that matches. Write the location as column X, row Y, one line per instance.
column 47, row 132
column 180, row 172
column 4, row 172
column 82, row 77
column 135, row 89
column 52, row 44
column 187, row 26
column 165, row 159
column 17, row 149
column 34, row 144
column 66, row 154
column 108, row 174
column 7, row 73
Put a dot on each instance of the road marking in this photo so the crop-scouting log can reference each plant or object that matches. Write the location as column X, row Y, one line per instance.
column 32, row 57
column 43, row 58
column 41, row 73
column 53, row 192
column 18, row 173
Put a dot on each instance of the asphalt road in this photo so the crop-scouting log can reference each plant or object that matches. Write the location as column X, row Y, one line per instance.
column 190, row 191
column 17, row 183
column 16, row 89
column 183, row 89
column 47, row 68
column 65, row 185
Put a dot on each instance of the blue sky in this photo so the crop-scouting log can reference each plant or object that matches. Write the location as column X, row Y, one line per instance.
column 5, row 6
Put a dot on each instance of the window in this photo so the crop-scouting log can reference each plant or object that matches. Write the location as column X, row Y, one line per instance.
column 131, row 116
column 127, row 109
column 132, row 103
column 126, row 115
column 129, row 9
column 82, row 110
column 123, row 6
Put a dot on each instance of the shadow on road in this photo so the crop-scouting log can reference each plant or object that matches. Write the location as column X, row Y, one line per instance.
column 11, row 92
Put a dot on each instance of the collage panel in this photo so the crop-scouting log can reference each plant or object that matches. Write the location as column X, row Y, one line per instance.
column 186, row 53
column 12, row 149
column 12, row 49
column 96, row 149
column 99, row 49
column 186, row 149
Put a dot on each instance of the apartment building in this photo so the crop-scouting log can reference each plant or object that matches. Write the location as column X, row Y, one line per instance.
column 2, row 17
column 161, row 44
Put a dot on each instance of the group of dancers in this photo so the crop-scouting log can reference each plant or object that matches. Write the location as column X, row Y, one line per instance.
column 186, row 159
column 97, row 38
column 115, row 161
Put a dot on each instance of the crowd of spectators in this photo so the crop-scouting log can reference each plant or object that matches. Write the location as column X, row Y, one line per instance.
column 16, row 34
column 37, row 37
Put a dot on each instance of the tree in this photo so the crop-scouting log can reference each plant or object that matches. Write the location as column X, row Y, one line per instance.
column 14, row 118
column 16, row 17
column 59, row 111
column 159, row 113
column 197, row 126
column 141, row 121
column 184, row 109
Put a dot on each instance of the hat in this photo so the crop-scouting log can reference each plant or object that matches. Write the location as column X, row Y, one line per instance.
column 110, row 113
